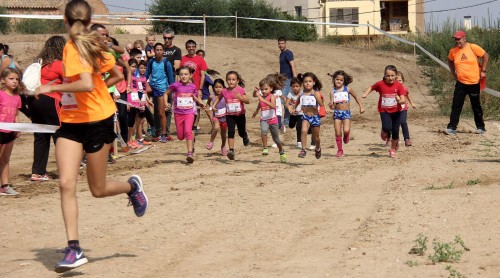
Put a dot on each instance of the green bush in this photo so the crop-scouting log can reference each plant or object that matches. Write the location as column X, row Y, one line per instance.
column 39, row 26
column 4, row 22
column 226, row 26
column 442, row 84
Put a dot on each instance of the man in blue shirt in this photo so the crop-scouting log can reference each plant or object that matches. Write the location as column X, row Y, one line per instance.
column 287, row 68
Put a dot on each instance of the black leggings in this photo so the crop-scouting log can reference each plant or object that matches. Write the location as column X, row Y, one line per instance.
column 44, row 110
column 232, row 122
column 296, row 121
column 391, row 123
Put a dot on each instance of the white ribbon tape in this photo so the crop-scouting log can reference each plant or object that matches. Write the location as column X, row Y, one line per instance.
column 26, row 127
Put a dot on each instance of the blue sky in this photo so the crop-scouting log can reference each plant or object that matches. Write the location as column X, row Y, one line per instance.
column 432, row 9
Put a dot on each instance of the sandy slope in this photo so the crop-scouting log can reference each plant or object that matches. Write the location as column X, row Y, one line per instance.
column 254, row 217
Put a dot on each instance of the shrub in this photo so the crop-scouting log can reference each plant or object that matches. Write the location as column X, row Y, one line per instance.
column 40, row 26
column 4, row 22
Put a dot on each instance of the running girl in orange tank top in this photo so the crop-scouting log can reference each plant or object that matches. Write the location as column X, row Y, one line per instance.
column 86, row 125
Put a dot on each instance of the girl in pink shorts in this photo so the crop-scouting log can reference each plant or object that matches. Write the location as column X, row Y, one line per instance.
column 185, row 98
column 218, row 116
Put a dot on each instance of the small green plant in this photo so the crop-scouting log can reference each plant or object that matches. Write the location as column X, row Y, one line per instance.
column 420, row 245
column 411, row 263
column 119, row 30
column 433, row 187
column 473, row 182
column 454, row 273
column 447, row 251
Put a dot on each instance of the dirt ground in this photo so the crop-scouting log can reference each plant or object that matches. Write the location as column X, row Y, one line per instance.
column 357, row 216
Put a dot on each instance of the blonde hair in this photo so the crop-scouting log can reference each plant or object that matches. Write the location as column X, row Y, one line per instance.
column 5, row 73
column 139, row 42
column 78, row 14
column 400, row 74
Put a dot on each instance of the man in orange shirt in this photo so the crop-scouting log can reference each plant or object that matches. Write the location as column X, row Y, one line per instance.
column 463, row 63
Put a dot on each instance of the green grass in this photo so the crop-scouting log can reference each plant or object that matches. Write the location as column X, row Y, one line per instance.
column 447, row 252
column 473, row 182
column 433, row 187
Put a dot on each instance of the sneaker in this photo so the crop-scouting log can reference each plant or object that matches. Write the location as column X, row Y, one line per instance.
column 72, row 259
column 156, row 138
column 299, row 145
column 144, row 142
column 302, row 153
column 162, row 139
column 265, row 151
column 274, row 145
column 340, row 154
column 480, row 131
column 8, row 191
column 223, row 151
column 189, row 157
column 138, row 198
column 169, row 138
column 283, row 129
column 132, row 144
column 383, row 135
column 387, row 143
column 230, row 155
column 209, row 146
column 450, row 131
column 317, row 153
column 246, row 141
column 36, row 177
column 283, row 157
column 111, row 159
column 347, row 137
column 408, row 143
column 392, row 153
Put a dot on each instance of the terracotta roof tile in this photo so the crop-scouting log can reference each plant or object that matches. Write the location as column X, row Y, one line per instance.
column 33, row 4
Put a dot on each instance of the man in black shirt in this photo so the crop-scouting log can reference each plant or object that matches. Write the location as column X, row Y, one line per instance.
column 173, row 55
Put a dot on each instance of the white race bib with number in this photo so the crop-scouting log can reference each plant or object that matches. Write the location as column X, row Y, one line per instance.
column 233, row 107
column 139, row 85
column 68, row 101
column 134, row 96
column 388, row 102
column 268, row 114
column 220, row 112
column 340, row 97
column 308, row 100
column 185, row 102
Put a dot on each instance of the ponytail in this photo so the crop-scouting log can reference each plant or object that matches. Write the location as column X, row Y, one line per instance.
column 78, row 14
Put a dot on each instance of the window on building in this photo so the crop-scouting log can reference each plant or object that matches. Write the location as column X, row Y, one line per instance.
column 298, row 11
column 344, row 15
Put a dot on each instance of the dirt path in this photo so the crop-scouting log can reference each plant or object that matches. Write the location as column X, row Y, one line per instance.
column 254, row 217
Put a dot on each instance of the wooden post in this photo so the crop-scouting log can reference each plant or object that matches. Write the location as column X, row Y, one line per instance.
column 236, row 24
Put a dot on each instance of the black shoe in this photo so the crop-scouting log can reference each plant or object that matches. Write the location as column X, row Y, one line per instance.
column 246, row 141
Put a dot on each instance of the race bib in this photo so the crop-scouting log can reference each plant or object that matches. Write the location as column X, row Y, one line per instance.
column 389, row 101
column 140, row 86
column 134, row 96
column 220, row 112
column 308, row 100
column 233, row 107
column 185, row 102
column 68, row 101
column 267, row 114
column 340, row 97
